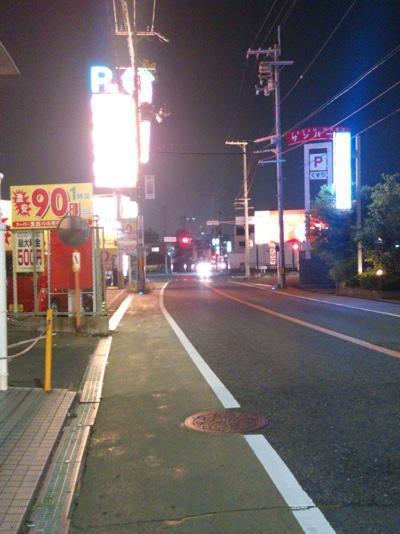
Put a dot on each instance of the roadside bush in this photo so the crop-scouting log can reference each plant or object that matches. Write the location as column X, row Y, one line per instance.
column 370, row 280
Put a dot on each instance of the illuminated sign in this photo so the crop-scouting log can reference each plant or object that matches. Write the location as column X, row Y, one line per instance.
column 29, row 244
column 315, row 133
column 114, row 140
column 114, row 131
column 43, row 206
column 318, row 163
column 266, row 226
column 342, row 169
column 317, row 167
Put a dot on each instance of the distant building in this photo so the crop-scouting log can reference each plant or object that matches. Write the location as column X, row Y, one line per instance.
column 264, row 238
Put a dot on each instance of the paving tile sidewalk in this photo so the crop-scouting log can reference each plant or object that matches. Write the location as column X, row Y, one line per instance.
column 146, row 472
column 30, row 424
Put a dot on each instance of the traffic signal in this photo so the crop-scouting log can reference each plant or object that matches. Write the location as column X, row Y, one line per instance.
column 184, row 239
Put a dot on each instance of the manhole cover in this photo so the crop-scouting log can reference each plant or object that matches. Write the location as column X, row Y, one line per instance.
column 224, row 422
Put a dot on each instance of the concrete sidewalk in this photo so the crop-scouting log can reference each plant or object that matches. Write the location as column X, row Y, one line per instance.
column 145, row 471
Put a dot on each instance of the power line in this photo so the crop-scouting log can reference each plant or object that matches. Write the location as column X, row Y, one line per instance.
column 274, row 23
column 377, row 122
column 345, row 118
column 377, row 97
column 301, row 77
column 290, row 173
column 368, row 103
column 263, row 24
column 347, row 88
column 244, row 71
column 288, row 13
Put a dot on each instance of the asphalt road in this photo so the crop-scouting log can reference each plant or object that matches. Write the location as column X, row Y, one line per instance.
column 332, row 403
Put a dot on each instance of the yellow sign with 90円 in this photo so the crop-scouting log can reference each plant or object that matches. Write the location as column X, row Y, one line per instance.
column 42, row 206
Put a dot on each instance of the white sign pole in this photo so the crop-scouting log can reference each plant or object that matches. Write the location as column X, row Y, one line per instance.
column 3, row 306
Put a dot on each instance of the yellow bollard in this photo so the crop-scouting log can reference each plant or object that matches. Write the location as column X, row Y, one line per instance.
column 48, row 351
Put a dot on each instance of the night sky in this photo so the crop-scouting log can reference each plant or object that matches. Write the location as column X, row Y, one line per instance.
column 207, row 84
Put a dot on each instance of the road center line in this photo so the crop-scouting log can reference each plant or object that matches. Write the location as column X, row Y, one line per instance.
column 307, row 514
column 306, row 324
column 303, row 297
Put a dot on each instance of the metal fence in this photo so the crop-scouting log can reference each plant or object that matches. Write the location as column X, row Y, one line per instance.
column 39, row 274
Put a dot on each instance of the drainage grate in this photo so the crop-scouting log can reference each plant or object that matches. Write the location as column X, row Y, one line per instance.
column 225, row 422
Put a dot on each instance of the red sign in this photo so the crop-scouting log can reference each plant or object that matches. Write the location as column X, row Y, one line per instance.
column 314, row 134
column 61, row 273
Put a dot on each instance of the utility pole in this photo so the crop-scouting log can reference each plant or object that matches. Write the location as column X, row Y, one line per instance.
column 243, row 147
column 131, row 39
column 358, row 203
column 131, row 34
column 269, row 81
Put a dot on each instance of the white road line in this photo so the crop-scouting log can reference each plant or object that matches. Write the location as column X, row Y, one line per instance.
column 312, row 326
column 226, row 398
column 307, row 514
column 303, row 297
column 117, row 316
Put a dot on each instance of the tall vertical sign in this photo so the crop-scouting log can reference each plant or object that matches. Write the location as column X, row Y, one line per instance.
column 114, row 134
column 342, row 169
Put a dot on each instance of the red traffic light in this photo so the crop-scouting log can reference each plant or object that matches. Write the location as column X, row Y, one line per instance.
column 184, row 240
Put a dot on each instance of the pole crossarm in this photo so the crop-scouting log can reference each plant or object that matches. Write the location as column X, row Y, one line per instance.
column 260, row 52
column 270, row 138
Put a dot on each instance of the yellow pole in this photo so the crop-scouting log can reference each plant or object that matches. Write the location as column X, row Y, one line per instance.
column 48, row 351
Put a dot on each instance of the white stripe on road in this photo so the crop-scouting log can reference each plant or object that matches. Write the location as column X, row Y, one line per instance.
column 312, row 326
column 227, row 399
column 309, row 517
column 303, row 508
column 117, row 316
column 303, row 297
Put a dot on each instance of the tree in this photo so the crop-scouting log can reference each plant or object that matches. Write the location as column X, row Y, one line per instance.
column 332, row 235
column 380, row 233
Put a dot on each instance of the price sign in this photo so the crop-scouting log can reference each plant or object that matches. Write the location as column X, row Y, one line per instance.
column 28, row 245
column 43, row 206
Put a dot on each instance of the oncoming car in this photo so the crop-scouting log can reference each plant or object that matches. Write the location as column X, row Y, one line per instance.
column 203, row 269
